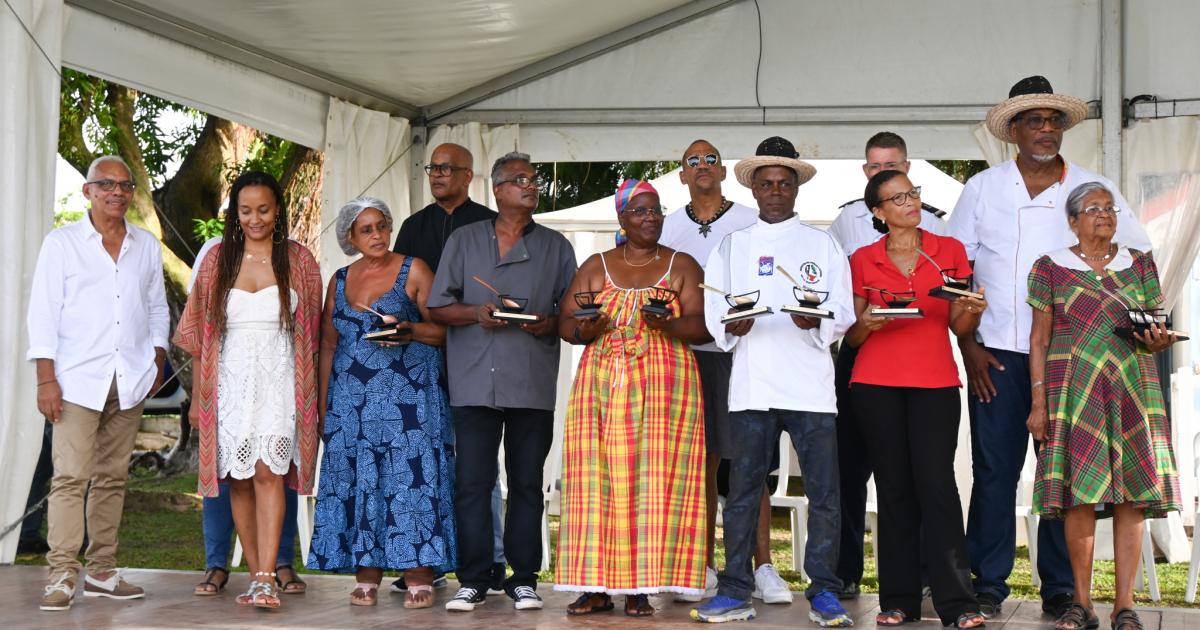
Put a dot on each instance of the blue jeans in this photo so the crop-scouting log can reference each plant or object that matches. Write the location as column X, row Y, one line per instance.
column 497, row 524
column 814, row 435
column 218, row 529
column 999, row 440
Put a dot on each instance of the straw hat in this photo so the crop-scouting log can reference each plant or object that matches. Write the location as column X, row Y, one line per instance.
column 773, row 151
column 1032, row 93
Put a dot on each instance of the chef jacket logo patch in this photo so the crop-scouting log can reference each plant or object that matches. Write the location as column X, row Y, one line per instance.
column 810, row 272
column 766, row 265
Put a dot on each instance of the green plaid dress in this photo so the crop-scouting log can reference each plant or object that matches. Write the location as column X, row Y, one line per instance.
column 1108, row 439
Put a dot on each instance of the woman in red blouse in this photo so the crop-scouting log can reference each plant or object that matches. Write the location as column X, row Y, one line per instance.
column 904, row 389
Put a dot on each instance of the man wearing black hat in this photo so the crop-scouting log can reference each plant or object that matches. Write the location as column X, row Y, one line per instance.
column 781, row 379
column 1007, row 217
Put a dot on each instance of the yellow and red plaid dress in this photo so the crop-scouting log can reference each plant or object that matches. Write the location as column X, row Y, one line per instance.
column 633, row 510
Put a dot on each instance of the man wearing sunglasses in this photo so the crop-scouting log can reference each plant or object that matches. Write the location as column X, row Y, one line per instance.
column 98, row 324
column 696, row 229
column 1007, row 217
column 853, row 228
column 424, row 234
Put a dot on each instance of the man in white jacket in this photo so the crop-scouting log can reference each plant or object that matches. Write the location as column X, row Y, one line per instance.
column 782, row 377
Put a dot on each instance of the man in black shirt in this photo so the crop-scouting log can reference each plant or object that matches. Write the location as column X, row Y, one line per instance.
column 424, row 233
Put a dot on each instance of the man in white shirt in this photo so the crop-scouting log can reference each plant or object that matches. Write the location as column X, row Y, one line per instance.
column 696, row 229
column 98, row 324
column 855, row 227
column 1007, row 217
column 782, row 377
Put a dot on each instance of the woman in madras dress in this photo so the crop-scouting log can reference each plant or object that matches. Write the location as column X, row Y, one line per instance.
column 1097, row 406
column 386, row 498
column 633, row 509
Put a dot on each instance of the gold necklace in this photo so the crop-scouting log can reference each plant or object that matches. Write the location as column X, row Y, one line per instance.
column 260, row 259
column 648, row 261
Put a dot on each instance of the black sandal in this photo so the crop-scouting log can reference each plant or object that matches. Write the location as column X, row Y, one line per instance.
column 961, row 622
column 202, row 590
column 589, row 603
column 638, row 606
column 1127, row 618
column 887, row 618
column 294, row 586
column 1079, row 617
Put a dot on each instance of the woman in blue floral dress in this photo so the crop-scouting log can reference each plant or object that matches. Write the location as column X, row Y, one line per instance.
column 385, row 495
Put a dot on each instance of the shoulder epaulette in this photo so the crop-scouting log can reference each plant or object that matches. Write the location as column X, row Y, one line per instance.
column 851, row 202
column 932, row 210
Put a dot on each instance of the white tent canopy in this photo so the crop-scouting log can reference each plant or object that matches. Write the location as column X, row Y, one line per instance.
column 370, row 81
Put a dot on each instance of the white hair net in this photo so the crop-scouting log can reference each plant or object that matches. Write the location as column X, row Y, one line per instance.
column 349, row 213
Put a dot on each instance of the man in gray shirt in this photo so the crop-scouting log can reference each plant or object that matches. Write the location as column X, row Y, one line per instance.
column 502, row 375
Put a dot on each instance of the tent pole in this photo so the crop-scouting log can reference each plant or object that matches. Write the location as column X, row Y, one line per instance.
column 1111, row 97
column 418, row 134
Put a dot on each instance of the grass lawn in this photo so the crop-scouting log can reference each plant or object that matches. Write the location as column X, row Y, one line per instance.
column 161, row 529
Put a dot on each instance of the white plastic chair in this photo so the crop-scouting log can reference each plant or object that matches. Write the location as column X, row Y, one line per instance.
column 1189, row 595
column 1025, row 515
column 1146, row 570
column 797, row 505
column 873, row 517
column 550, row 492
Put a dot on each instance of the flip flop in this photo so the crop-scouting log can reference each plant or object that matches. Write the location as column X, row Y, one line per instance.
column 415, row 591
column 364, row 594
column 887, row 618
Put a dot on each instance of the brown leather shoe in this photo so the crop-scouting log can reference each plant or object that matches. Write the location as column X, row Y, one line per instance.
column 59, row 594
column 114, row 587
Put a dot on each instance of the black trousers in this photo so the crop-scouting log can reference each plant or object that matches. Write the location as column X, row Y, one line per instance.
column 527, row 434
column 854, row 468
column 911, row 436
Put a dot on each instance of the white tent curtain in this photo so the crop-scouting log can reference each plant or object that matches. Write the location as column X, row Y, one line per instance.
column 28, row 136
column 364, row 155
column 485, row 144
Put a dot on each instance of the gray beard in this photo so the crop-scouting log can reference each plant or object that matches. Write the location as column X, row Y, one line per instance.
column 1038, row 157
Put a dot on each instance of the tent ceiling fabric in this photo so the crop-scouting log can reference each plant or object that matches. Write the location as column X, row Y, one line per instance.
column 410, row 51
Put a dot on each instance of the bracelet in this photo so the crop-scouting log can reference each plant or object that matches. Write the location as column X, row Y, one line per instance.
column 53, row 380
column 1037, row 384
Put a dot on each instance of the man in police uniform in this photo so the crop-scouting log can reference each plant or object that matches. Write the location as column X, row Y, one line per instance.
column 856, row 227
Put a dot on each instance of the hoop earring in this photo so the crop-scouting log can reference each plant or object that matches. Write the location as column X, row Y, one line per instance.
column 237, row 230
column 622, row 231
column 278, row 233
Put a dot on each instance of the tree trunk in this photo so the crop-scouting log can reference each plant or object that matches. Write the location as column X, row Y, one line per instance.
column 302, row 180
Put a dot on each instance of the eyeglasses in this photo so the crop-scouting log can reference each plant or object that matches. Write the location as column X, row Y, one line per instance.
column 1095, row 211
column 643, row 211
column 522, row 181
column 885, row 166
column 443, row 169
column 110, row 184
column 1035, row 122
column 898, row 198
column 710, row 159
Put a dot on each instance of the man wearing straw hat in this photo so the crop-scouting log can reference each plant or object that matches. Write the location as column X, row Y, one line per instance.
column 782, row 377
column 1007, row 217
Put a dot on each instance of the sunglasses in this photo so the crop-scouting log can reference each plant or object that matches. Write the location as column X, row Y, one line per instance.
column 710, row 159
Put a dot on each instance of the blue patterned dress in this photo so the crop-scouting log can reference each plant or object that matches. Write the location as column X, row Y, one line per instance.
column 386, row 495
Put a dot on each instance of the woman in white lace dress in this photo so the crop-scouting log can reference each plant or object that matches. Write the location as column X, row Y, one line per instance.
column 252, row 324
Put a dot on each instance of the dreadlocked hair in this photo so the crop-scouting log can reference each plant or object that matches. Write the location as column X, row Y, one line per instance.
column 233, row 249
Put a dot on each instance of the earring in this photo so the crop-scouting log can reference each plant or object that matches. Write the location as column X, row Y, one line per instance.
column 621, row 231
column 278, row 236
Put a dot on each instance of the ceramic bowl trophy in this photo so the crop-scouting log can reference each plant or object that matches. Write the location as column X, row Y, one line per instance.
column 389, row 330
column 898, row 304
column 588, row 307
column 1141, row 320
column 512, row 309
column 954, row 287
column 745, row 306
column 809, row 303
column 659, row 301
column 808, row 300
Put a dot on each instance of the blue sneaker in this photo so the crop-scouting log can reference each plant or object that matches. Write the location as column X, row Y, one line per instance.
column 721, row 609
column 827, row 611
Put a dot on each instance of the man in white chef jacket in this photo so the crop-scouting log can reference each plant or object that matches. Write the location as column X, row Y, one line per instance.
column 782, row 378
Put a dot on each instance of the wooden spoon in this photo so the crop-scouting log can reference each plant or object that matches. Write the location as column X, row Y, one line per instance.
column 503, row 300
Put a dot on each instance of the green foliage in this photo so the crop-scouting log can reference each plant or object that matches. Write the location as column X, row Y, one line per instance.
column 66, row 217
column 204, row 229
column 962, row 170
column 267, row 154
column 569, row 184
column 84, row 100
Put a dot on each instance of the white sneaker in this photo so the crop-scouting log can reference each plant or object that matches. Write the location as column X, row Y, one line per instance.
column 769, row 587
column 710, row 588
column 525, row 598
